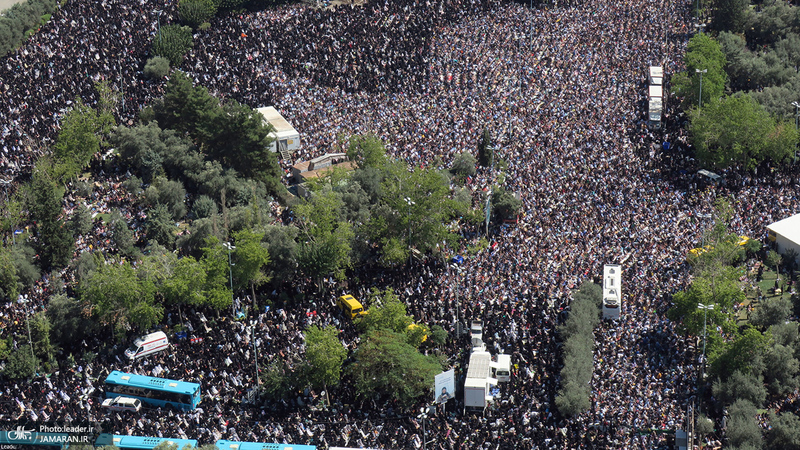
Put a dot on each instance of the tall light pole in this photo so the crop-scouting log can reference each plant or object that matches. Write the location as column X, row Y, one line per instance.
column 408, row 236
column 796, row 114
column 255, row 350
column 705, row 309
column 458, row 301
column 701, row 72
column 423, row 414
column 230, row 247
column 24, row 301
column 158, row 13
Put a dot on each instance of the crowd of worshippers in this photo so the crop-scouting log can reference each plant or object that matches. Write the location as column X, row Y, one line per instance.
column 562, row 89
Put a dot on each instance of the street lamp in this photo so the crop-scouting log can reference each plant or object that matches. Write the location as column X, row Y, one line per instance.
column 408, row 236
column 705, row 309
column 701, row 72
column 230, row 247
column 700, row 27
column 255, row 350
column 158, row 12
column 423, row 414
column 23, row 301
column 796, row 114
column 458, row 301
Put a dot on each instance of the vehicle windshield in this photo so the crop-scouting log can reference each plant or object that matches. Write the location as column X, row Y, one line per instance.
column 133, row 349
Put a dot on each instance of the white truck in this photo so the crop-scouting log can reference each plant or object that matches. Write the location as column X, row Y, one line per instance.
column 476, row 335
column 478, row 384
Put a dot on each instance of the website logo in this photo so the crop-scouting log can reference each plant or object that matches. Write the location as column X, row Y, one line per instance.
column 20, row 434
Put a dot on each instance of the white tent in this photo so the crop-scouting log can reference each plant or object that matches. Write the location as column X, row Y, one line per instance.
column 786, row 234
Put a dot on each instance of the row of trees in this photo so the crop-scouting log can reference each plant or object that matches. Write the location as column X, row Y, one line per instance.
column 747, row 363
column 578, row 336
column 728, row 130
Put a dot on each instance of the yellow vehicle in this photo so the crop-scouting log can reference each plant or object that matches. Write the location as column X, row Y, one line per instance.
column 349, row 305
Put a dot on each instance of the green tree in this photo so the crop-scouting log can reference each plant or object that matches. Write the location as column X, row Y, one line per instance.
column 731, row 15
column 387, row 364
column 70, row 324
column 784, row 431
column 54, row 237
column 366, row 151
column 160, row 226
column 736, row 129
column 186, row 108
column 505, row 203
column 172, row 42
column 740, row 386
column 485, row 149
column 156, row 67
column 782, row 369
column 215, row 264
column 239, row 137
column 773, row 260
column 41, row 328
column 81, row 221
column 463, row 165
column 121, row 234
column 283, row 250
column 185, row 284
column 743, row 430
column 195, row 12
column 577, row 332
column 252, row 259
column 78, row 140
column 120, row 299
column 743, row 353
column 9, row 282
column 704, row 54
column 326, row 245
column 325, row 355
column 169, row 193
column 277, row 380
column 771, row 311
column 20, row 364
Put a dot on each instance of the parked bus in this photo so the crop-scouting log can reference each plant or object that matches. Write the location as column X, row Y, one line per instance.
column 140, row 442
column 234, row 445
column 158, row 392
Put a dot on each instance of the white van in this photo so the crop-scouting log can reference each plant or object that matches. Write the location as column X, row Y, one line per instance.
column 502, row 368
column 122, row 404
column 147, row 345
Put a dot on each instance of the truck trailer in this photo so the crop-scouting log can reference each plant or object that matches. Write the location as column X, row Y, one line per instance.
column 479, row 381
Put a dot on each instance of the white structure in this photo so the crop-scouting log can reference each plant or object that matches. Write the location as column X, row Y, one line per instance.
column 656, row 75
column 786, row 234
column 655, row 91
column 502, row 368
column 612, row 291
column 655, row 109
column 655, row 97
column 477, row 386
column 287, row 139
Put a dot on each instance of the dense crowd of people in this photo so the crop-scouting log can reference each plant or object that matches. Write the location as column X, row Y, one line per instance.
column 561, row 89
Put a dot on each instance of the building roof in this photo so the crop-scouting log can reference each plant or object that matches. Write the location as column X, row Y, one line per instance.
column 789, row 228
column 276, row 119
column 347, row 165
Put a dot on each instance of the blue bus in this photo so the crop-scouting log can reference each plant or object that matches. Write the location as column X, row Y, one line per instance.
column 140, row 442
column 234, row 445
column 159, row 392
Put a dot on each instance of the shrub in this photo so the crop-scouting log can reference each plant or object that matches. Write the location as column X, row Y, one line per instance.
column 172, row 42
column 156, row 67
column 196, row 12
